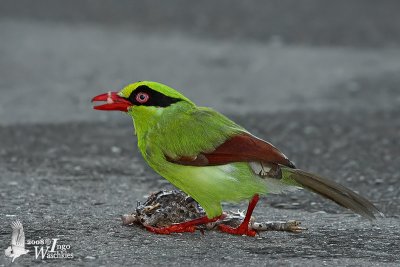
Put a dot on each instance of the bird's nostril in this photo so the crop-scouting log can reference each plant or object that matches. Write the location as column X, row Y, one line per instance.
column 109, row 98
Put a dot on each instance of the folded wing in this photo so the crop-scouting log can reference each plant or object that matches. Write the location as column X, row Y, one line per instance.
column 239, row 148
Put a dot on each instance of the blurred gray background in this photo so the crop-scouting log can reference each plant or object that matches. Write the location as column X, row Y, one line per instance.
column 319, row 79
column 232, row 55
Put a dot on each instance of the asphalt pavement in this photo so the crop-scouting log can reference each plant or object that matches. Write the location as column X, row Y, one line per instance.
column 326, row 93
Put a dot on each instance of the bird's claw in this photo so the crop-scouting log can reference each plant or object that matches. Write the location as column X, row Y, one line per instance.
column 241, row 230
column 171, row 229
column 189, row 226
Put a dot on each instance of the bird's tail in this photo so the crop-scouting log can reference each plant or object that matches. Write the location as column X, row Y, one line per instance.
column 331, row 190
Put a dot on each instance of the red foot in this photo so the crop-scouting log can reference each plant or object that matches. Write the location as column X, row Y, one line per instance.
column 189, row 226
column 171, row 229
column 243, row 228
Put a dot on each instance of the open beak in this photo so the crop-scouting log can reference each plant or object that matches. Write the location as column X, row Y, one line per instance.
column 114, row 102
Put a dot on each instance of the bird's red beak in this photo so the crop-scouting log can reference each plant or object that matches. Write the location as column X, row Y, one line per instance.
column 114, row 102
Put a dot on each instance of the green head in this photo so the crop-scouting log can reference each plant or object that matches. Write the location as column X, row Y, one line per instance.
column 141, row 97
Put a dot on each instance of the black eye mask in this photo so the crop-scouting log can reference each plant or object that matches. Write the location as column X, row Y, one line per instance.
column 156, row 99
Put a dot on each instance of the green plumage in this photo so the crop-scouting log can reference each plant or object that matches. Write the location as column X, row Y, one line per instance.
column 183, row 129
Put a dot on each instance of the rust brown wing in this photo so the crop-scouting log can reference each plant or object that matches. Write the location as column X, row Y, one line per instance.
column 240, row 148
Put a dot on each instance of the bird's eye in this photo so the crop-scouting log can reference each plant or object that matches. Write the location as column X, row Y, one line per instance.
column 142, row 97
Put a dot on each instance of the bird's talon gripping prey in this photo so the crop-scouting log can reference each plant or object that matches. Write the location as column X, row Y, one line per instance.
column 241, row 230
column 171, row 229
column 170, row 208
column 244, row 227
column 189, row 226
column 210, row 157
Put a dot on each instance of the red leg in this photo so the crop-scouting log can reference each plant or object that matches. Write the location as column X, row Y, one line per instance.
column 189, row 226
column 243, row 228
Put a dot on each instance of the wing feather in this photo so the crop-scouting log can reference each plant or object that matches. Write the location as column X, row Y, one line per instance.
column 239, row 148
column 246, row 147
column 204, row 137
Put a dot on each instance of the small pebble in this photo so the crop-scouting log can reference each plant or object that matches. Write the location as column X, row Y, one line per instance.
column 115, row 150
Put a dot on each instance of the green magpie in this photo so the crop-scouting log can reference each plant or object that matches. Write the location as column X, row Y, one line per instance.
column 213, row 159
